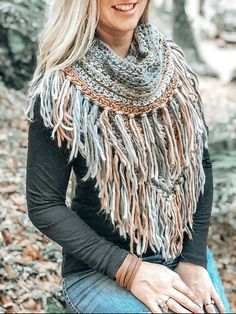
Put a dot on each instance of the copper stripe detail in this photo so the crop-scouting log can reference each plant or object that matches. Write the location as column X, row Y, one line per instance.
column 123, row 108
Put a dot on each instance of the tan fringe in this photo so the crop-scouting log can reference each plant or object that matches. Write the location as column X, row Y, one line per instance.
column 147, row 164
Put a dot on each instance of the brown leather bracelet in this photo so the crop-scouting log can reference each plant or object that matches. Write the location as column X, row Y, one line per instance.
column 125, row 271
column 130, row 271
column 123, row 268
column 137, row 266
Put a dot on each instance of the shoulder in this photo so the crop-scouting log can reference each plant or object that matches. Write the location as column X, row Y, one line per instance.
column 41, row 134
column 35, row 116
column 51, row 105
column 32, row 113
column 42, row 98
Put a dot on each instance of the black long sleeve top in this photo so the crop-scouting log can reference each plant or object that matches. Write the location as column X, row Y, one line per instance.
column 87, row 238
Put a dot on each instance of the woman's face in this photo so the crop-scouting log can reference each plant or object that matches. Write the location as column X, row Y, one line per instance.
column 120, row 15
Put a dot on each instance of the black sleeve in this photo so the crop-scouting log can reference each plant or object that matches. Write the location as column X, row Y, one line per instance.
column 195, row 250
column 47, row 177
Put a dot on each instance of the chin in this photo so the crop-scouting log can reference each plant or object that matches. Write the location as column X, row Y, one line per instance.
column 125, row 27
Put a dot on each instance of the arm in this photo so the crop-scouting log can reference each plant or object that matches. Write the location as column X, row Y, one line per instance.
column 194, row 273
column 47, row 178
column 194, row 251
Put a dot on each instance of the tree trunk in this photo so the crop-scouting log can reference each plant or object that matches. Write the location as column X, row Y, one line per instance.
column 182, row 31
column 201, row 7
column 184, row 36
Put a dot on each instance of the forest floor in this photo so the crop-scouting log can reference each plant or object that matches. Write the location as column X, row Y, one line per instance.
column 30, row 279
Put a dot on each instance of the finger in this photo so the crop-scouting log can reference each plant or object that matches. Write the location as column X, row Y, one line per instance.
column 210, row 308
column 216, row 309
column 219, row 304
column 184, row 289
column 185, row 301
column 176, row 307
column 153, row 306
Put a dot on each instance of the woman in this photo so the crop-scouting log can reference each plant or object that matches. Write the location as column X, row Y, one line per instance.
column 115, row 101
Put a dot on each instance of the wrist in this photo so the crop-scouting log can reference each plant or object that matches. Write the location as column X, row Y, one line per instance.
column 123, row 266
column 189, row 265
column 195, row 259
column 127, row 271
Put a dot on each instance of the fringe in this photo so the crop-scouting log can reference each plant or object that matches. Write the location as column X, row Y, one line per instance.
column 148, row 166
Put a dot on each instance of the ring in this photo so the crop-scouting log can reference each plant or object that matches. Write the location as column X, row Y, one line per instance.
column 162, row 302
column 209, row 303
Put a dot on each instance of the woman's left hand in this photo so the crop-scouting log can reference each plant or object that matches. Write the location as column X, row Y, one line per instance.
column 198, row 280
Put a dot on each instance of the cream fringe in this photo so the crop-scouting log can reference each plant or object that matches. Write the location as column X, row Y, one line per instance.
column 148, row 168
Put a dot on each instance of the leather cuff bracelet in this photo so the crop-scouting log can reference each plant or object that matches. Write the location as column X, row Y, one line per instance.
column 126, row 273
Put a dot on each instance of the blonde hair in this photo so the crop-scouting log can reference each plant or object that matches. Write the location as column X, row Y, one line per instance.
column 67, row 35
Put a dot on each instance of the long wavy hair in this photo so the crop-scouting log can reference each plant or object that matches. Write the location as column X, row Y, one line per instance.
column 67, row 35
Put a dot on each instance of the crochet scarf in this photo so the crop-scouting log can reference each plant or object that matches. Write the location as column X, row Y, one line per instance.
column 138, row 121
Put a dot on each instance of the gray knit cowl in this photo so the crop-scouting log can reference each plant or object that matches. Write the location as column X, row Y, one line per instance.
column 139, row 123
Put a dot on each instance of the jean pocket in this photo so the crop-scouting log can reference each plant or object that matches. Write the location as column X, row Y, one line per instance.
column 68, row 301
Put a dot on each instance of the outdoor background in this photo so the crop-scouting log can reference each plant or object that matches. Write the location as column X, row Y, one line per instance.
column 30, row 262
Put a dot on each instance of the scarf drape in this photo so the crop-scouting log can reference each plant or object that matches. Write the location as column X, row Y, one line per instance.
column 138, row 121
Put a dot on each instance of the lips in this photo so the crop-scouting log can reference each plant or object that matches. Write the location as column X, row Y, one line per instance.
column 124, row 6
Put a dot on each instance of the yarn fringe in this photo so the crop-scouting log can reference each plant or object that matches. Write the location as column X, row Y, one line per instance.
column 148, row 167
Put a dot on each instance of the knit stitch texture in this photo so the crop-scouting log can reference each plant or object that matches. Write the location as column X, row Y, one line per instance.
column 139, row 123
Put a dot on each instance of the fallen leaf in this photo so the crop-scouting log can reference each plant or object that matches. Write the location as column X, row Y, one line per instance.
column 32, row 305
column 8, row 189
column 6, row 301
column 6, row 237
column 31, row 253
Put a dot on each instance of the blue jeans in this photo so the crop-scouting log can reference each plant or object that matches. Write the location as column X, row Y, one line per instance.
column 92, row 292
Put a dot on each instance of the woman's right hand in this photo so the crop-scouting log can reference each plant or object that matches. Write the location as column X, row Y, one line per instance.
column 154, row 281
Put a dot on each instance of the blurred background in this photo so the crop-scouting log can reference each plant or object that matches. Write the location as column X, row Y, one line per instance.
column 30, row 262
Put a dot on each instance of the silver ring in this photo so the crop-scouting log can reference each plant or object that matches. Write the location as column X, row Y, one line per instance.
column 162, row 302
column 209, row 303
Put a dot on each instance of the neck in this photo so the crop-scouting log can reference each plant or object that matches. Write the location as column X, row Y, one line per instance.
column 118, row 41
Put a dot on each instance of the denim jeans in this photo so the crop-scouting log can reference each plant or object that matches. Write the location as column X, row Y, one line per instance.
column 92, row 292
